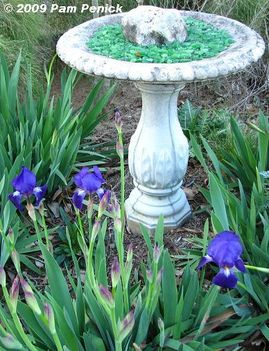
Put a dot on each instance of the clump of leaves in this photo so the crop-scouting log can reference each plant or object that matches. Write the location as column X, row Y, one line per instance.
column 45, row 132
column 213, row 125
column 245, row 157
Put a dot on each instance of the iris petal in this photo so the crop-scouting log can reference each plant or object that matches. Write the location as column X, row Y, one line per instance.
column 91, row 183
column 204, row 260
column 225, row 278
column 39, row 193
column 15, row 198
column 225, row 249
column 78, row 177
column 100, row 192
column 98, row 174
column 25, row 182
column 239, row 264
column 78, row 198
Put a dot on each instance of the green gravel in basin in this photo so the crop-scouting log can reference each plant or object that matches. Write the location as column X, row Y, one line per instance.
column 204, row 41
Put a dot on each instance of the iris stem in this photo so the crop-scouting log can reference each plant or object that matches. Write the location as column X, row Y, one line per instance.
column 121, row 241
column 49, row 247
column 92, row 280
column 152, row 286
column 57, row 342
column 5, row 240
column 118, row 343
column 39, row 237
column 89, row 216
column 123, row 273
column 17, row 322
column 81, row 239
column 122, row 184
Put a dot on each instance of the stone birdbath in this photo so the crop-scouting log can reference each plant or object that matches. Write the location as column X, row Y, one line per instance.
column 158, row 151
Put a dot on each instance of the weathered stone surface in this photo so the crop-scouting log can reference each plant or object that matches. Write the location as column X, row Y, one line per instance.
column 148, row 25
column 248, row 47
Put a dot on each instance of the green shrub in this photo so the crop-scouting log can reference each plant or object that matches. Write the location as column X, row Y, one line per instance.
column 243, row 159
column 210, row 124
column 28, row 33
column 239, row 201
column 46, row 132
column 44, row 135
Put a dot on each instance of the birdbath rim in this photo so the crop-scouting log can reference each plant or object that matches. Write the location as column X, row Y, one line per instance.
column 247, row 48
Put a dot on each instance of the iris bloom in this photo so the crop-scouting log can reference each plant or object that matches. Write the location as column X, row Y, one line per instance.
column 87, row 182
column 225, row 251
column 25, row 186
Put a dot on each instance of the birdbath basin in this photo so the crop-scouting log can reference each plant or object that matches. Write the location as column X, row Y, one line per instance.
column 158, row 151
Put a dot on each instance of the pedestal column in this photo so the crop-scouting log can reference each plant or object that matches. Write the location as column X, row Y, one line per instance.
column 158, row 157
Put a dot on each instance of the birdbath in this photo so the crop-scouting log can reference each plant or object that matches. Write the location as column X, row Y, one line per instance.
column 158, row 150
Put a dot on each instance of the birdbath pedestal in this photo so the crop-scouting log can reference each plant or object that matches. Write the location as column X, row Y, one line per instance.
column 158, row 151
column 158, row 158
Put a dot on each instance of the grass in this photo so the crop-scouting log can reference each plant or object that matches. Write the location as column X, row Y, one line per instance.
column 214, row 126
column 59, row 23
column 251, row 12
column 28, row 33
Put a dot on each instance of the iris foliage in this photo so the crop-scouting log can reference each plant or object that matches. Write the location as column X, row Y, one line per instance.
column 106, row 307
column 44, row 134
column 239, row 200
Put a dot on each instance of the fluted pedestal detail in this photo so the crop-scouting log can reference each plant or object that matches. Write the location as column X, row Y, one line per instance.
column 158, row 157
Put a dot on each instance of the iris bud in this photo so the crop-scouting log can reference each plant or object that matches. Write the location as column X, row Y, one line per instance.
column 2, row 277
column 118, row 120
column 16, row 260
column 156, row 253
column 14, row 293
column 95, row 230
column 30, row 297
column 115, row 272
column 107, row 296
column 31, row 212
column 127, row 325
column 49, row 315
column 10, row 343
column 119, row 149
column 104, row 203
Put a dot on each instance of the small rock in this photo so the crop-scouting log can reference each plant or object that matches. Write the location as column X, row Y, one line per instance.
column 190, row 193
column 150, row 25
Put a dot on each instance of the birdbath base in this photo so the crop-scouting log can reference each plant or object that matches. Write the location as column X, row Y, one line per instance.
column 175, row 209
column 158, row 157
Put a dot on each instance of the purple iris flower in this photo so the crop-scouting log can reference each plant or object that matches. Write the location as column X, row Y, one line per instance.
column 225, row 251
column 25, row 186
column 87, row 182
